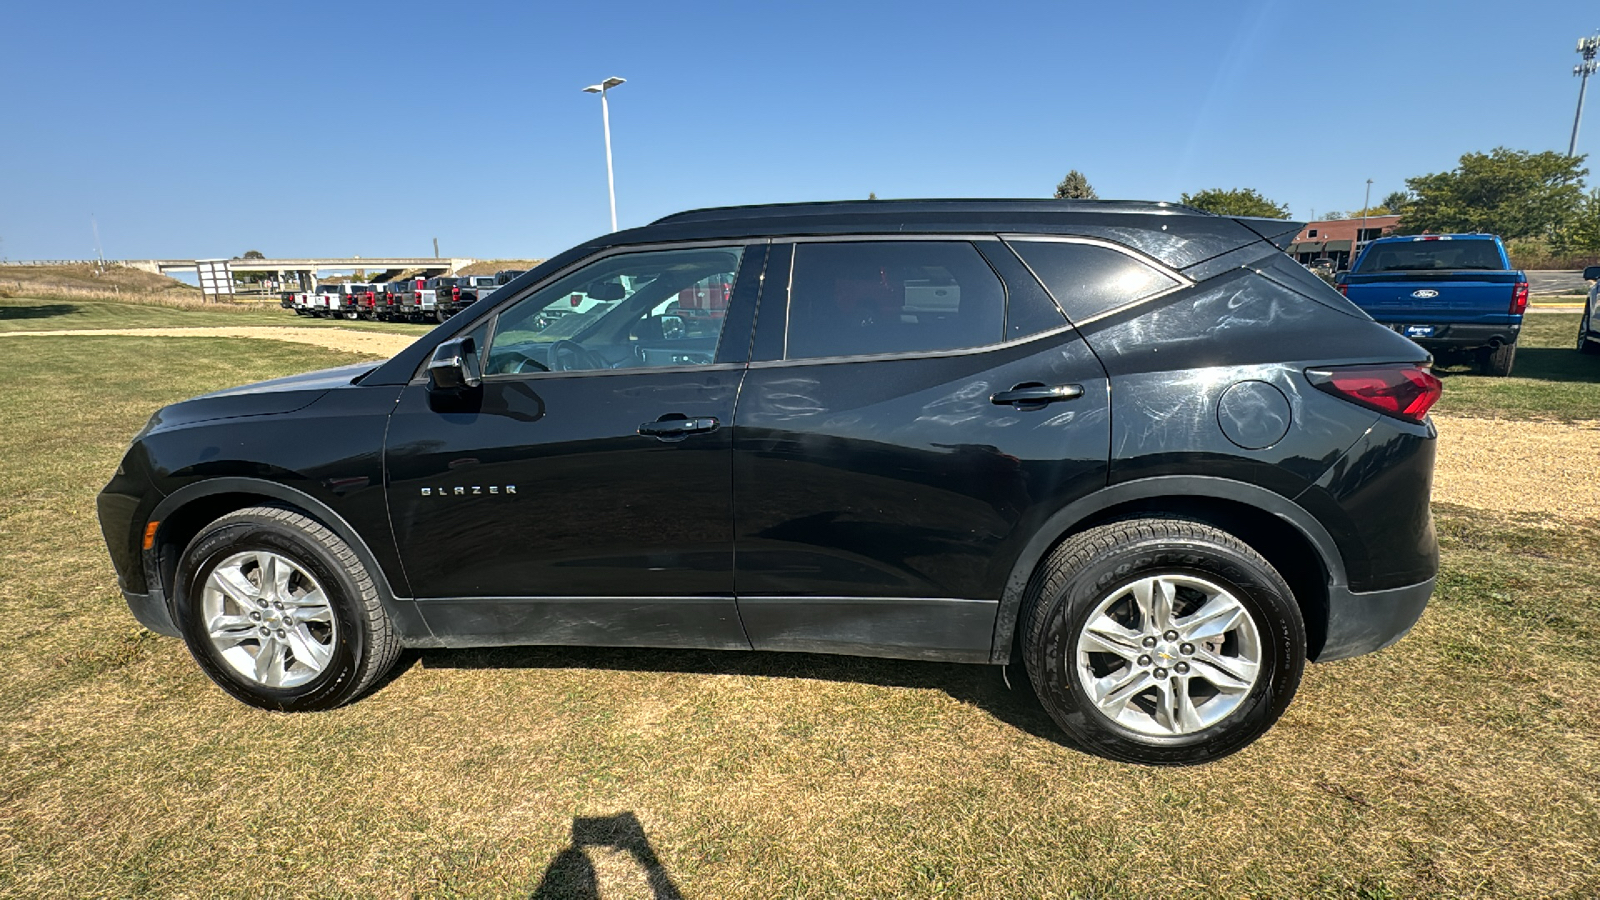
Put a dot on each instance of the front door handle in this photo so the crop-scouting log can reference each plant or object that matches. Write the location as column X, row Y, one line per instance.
column 1035, row 396
column 677, row 428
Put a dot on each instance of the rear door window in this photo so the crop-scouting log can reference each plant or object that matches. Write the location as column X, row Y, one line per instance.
column 870, row 297
column 1088, row 280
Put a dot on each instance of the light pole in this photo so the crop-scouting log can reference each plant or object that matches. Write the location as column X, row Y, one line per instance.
column 1587, row 48
column 605, row 114
column 1366, row 206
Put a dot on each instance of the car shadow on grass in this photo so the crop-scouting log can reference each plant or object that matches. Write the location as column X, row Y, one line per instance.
column 13, row 312
column 982, row 686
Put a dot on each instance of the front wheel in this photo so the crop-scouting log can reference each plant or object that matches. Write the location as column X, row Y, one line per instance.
column 280, row 612
column 1162, row 641
column 1584, row 344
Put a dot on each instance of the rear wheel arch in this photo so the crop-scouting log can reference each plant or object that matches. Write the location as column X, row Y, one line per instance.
column 1304, row 554
column 185, row 512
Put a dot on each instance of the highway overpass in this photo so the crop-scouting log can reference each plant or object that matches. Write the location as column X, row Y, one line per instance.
column 306, row 270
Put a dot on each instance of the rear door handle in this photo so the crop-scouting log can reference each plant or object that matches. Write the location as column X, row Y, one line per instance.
column 1034, row 396
column 676, row 429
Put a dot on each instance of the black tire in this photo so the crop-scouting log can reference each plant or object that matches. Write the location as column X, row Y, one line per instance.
column 1103, row 562
column 440, row 315
column 1584, row 344
column 1497, row 363
column 365, row 644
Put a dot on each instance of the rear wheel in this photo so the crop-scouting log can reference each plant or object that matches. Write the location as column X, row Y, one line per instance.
column 1584, row 344
column 1162, row 641
column 1497, row 362
column 281, row 613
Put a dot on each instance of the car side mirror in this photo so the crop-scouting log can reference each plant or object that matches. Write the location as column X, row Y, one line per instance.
column 454, row 367
column 1592, row 273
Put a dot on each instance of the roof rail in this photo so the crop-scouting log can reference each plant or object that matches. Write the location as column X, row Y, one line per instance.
column 714, row 213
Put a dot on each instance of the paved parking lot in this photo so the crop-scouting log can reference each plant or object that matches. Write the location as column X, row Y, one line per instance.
column 1556, row 281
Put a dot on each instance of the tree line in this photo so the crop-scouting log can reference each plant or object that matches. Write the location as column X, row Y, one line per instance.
column 1512, row 193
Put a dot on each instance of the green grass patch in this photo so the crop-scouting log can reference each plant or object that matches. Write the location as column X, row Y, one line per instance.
column 1460, row 762
column 1550, row 379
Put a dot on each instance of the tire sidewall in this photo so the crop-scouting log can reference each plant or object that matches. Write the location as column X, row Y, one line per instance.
column 1260, row 591
column 216, row 543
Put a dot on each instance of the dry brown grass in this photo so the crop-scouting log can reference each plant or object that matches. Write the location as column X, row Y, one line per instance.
column 90, row 282
column 491, row 266
column 378, row 344
column 1462, row 762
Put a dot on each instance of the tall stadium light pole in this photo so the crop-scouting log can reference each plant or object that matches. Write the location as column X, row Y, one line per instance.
column 605, row 114
column 1365, row 206
column 1587, row 47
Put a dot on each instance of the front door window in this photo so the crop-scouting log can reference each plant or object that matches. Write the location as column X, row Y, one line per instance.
column 629, row 311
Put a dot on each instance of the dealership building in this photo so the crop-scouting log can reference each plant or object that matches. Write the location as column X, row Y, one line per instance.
column 1340, row 239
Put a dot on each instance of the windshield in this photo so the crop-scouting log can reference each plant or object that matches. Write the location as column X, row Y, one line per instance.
column 1411, row 256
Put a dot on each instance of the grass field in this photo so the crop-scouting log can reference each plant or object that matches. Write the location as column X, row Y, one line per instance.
column 1465, row 761
column 1548, row 381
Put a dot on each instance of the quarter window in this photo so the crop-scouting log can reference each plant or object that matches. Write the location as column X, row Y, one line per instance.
column 1088, row 279
column 866, row 297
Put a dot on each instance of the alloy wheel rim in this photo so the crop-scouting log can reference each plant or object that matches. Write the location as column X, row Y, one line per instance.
column 268, row 619
column 1168, row 655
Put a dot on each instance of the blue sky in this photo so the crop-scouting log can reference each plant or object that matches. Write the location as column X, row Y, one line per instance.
column 329, row 129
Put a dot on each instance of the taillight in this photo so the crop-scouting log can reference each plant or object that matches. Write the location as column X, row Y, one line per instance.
column 455, row 293
column 1403, row 390
column 1519, row 298
column 1344, row 289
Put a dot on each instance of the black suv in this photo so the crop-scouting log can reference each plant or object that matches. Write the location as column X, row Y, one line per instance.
column 1132, row 446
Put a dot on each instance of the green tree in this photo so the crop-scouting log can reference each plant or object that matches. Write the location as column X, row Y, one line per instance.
column 1511, row 193
column 1581, row 233
column 1370, row 211
column 250, row 277
column 1395, row 201
column 1235, row 202
column 1075, row 187
column 1332, row 215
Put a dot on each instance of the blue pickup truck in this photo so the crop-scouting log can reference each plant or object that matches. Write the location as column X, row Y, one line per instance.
column 1455, row 294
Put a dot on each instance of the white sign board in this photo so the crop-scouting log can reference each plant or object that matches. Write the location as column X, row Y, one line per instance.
column 216, row 279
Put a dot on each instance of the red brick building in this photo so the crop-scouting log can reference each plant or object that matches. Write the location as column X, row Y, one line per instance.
column 1339, row 240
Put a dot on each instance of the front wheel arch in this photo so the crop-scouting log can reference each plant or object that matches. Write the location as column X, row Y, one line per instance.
column 184, row 512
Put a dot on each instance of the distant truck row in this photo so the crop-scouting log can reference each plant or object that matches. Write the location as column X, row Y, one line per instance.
column 407, row 300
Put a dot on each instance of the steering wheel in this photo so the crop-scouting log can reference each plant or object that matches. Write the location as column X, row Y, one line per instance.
column 514, row 363
column 571, row 356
